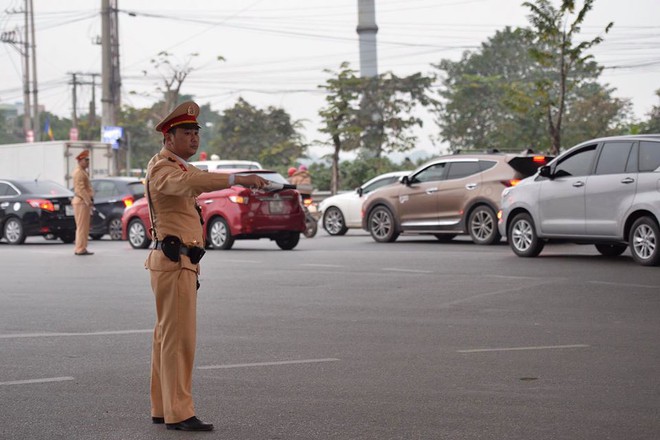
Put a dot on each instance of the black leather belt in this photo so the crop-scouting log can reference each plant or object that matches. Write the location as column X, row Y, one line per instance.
column 193, row 252
column 184, row 249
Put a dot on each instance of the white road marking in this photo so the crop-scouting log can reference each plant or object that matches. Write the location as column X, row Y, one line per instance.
column 266, row 364
column 496, row 292
column 540, row 347
column 644, row 286
column 321, row 265
column 514, row 277
column 51, row 335
column 394, row 269
column 29, row 381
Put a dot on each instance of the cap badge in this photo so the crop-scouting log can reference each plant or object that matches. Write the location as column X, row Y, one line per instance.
column 191, row 110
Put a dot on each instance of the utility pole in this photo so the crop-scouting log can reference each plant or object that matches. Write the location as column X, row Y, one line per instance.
column 24, row 43
column 35, row 122
column 92, row 102
column 27, row 117
column 74, row 104
column 110, row 75
column 75, row 82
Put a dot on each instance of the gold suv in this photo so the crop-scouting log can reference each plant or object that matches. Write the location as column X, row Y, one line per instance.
column 448, row 196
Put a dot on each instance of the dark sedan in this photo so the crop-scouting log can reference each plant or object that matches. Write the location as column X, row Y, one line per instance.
column 111, row 196
column 35, row 207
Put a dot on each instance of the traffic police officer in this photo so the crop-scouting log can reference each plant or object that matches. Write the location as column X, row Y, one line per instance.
column 172, row 187
column 83, row 203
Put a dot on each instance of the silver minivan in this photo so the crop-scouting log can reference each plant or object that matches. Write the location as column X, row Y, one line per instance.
column 604, row 192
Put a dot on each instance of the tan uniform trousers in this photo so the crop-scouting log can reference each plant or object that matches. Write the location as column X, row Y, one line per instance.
column 82, row 215
column 173, row 350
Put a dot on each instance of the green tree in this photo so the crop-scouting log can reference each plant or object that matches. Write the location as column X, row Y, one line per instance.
column 652, row 125
column 489, row 100
column 594, row 112
column 248, row 133
column 485, row 97
column 139, row 130
column 341, row 116
column 11, row 131
column 388, row 111
column 375, row 114
column 553, row 34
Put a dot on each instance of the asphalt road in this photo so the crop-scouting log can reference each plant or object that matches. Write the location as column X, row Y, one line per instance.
column 342, row 338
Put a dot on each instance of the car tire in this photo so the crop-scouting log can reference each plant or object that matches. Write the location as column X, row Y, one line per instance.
column 334, row 222
column 311, row 227
column 482, row 226
column 382, row 225
column 522, row 236
column 611, row 250
column 643, row 241
column 96, row 236
column 114, row 228
column 68, row 237
column 13, row 231
column 444, row 238
column 288, row 241
column 137, row 234
column 218, row 234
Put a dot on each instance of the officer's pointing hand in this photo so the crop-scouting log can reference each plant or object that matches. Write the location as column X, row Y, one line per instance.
column 252, row 181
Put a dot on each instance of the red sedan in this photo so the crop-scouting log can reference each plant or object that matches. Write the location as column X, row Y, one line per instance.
column 235, row 213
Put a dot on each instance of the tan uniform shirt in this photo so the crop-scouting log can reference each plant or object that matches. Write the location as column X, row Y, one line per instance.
column 82, row 186
column 173, row 187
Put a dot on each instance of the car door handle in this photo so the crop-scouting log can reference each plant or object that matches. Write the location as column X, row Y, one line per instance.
column 578, row 184
column 431, row 190
column 628, row 180
column 471, row 186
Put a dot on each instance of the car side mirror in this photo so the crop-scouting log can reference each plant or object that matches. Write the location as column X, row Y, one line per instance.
column 359, row 190
column 546, row 171
column 405, row 180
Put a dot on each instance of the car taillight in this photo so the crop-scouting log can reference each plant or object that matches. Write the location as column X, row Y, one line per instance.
column 539, row 159
column 308, row 201
column 241, row 200
column 510, row 182
column 128, row 201
column 46, row 205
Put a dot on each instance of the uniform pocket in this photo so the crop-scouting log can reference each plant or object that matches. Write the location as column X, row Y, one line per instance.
column 159, row 262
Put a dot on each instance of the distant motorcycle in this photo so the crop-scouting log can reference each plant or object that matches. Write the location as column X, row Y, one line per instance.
column 311, row 213
column 311, row 220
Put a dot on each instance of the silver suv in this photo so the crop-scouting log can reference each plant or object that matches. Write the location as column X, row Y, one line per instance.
column 604, row 192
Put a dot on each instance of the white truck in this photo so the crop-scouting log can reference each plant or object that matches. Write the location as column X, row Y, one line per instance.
column 54, row 160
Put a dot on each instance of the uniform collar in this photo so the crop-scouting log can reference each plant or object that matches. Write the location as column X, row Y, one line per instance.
column 167, row 153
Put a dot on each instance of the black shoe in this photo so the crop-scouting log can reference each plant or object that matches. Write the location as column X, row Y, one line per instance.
column 84, row 253
column 158, row 420
column 191, row 424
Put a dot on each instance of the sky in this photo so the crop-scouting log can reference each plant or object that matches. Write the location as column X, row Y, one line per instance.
column 276, row 51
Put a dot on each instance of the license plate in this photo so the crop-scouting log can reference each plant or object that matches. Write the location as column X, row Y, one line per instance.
column 276, row 206
column 68, row 209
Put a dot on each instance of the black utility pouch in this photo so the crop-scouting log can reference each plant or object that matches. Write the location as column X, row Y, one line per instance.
column 171, row 246
column 195, row 254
